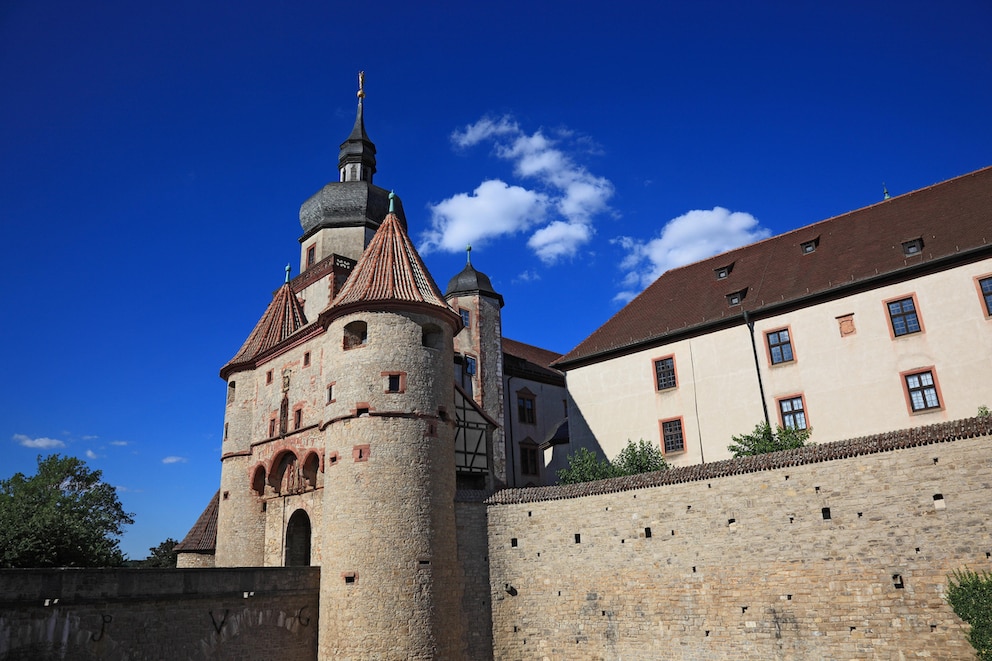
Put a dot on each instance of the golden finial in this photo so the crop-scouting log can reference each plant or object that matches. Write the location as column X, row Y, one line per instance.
column 361, row 84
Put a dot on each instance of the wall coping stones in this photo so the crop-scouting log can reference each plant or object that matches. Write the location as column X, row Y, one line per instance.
column 944, row 432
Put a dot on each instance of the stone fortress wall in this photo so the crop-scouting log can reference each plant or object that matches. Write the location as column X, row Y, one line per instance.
column 839, row 551
column 159, row 614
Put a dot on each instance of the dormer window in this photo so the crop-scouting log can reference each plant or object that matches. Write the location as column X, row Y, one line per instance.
column 912, row 247
column 809, row 246
column 736, row 297
column 724, row 271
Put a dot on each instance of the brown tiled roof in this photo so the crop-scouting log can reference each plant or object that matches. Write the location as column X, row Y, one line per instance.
column 857, row 250
column 202, row 537
column 282, row 318
column 528, row 361
column 390, row 271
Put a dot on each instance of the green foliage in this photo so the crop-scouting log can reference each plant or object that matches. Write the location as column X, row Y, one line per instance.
column 63, row 516
column 585, row 465
column 640, row 457
column 763, row 440
column 970, row 595
column 162, row 555
column 983, row 412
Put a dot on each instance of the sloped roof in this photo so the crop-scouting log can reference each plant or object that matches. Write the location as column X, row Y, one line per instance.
column 282, row 318
column 859, row 249
column 390, row 271
column 532, row 362
column 202, row 537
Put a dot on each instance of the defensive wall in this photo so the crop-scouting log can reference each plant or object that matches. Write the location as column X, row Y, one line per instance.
column 159, row 614
column 837, row 551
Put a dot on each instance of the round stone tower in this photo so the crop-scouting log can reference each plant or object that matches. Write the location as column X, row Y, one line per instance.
column 391, row 585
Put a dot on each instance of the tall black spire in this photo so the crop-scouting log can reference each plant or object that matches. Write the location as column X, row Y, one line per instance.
column 357, row 159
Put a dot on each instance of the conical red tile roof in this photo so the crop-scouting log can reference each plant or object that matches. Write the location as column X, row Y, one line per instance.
column 389, row 272
column 282, row 318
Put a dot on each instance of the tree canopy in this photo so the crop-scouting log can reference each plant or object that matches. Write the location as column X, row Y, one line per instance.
column 585, row 465
column 63, row 516
column 762, row 440
column 163, row 555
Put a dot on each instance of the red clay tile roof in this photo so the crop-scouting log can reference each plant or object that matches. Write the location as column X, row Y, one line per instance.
column 202, row 537
column 282, row 318
column 528, row 361
column 857, row 250
column 390, row 271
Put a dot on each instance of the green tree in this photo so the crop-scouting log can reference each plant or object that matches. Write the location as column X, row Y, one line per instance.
column 64, row 516
column 163, row 555
column 763, row 440
column 585, row 465
column 640, row 457
column 970, row 595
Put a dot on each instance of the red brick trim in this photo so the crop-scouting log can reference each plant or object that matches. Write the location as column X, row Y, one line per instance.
column 936, row 385
column 661, row 435
column 888, row 317
column 361, row 452
column 981, row 296
column 792, row 345
column 402, row 388
column 654, row 372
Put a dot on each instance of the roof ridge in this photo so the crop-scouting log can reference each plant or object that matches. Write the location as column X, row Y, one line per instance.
column 281, row 319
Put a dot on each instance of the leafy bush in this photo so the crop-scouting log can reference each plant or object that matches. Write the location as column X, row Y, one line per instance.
column 763, row 440
column 970, row 595
column 585, row 465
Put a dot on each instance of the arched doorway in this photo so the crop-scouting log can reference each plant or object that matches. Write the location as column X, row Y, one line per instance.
column 298, row 540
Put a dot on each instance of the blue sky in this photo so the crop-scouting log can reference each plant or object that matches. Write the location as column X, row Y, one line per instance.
column 154, row 155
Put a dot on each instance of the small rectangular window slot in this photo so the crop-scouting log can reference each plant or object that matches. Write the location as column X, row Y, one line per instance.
column 423, row 562
column 604, row 613
column 938, row 501
column 788, row 597
column 817, row 489
column 350, row 578
column 988, row 555
column 792, row 519
column 786, row 477
column 693, row 570
column 731, row 522
column 361, row 412
column 912, row 247
column 539, row 554
column 688, row 507
column 853, row 628
column 528, row 513
column 513, row 542
column 897, row 581
column 578, row 538
column 806, row 247
column 859, row 515
column 743, row 609
column 933, row 627
column 707, row 633
column 622, row 541
column 917, row 549
column 647, row 533
column 227, row 494
column 673, row 533
column 826, row 513
column 935, row 460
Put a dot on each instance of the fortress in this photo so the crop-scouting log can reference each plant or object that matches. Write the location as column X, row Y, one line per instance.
column 366, row 508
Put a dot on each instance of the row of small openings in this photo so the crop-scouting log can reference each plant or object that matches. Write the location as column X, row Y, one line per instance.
column 356, row 334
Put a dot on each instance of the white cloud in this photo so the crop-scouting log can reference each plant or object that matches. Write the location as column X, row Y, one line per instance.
column 41, row 443
column 119, row 443
column 559, row 240
column 493, row 209
column 90, row 454
column 565, row 197
column 174, row 460
column 693, row 236
column 527, row 276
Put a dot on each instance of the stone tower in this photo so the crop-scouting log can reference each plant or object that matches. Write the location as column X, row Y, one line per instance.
column 478, row 348
column 390, row 580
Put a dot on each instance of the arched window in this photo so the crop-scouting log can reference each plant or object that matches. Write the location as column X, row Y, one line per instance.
column 432, row 336
column 356, row 334
column 285, row 477
column 298, row 540
column 258, row 481
column 310, row 467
